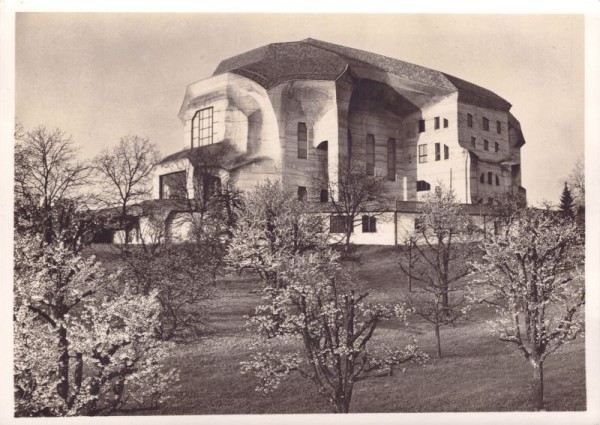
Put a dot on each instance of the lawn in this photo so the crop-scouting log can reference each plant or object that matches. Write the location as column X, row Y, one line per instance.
column 477, row 373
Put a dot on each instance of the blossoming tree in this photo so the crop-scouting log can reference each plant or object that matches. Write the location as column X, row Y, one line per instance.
column 532, row 274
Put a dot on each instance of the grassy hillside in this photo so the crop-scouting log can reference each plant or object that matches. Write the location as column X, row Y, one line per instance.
column 478, row 372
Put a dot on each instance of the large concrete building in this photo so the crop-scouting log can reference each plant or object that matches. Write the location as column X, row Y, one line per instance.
column 293, row 111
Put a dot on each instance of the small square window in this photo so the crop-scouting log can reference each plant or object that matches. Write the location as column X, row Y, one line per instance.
column 436, row 123
column 421, row 126
column 469, row 120
column 445, row 123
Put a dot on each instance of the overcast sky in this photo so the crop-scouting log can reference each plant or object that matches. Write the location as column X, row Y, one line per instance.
column 102, row 76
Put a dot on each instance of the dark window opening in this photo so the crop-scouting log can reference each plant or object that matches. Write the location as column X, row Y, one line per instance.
column 496, row 147
column 469, row 120
column 486, row 145
column 349, row 145
column 302, row 141
column 202, row 127
column 422, row 154
column 173, row 185
column 498, row 127
column 473, row 142
column 421, row 126
column 490, row 177
column 369, row 224
column 497, row 181
column 391, row 152
column 486, row 124
column 446, row 152
column 436, row 123
column 445, row 123
column 370, row 159
column 324, row 195
column 423, row 186
column 482, row 178
column 437, row 152
column 302, row 193
column 339, row 224
column 208, row 186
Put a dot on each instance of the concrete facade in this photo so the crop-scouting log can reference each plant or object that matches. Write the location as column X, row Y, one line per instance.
column 293, row 111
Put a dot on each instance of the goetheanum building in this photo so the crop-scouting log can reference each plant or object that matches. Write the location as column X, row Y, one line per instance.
column 293, row 111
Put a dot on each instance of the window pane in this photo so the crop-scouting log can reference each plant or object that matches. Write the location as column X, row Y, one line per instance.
column 392, row 159
column 302, row 141
column 370, row 159
column 437, row 152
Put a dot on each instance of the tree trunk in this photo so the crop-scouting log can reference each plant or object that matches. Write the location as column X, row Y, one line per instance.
column 342, row 401
column 438, row 341
column 63, row 364
column 537, row 385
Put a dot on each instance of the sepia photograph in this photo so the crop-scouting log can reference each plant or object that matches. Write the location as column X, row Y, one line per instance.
column 259, row 214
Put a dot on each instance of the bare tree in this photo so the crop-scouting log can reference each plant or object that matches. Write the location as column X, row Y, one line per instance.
column 532, row 275
column 353, row 193
column 125, row 173
column 48, row 183
column 437, row 260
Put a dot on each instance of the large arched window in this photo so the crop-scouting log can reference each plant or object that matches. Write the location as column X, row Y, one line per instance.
column 202, row 127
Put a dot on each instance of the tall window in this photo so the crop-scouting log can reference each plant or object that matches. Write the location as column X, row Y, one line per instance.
column 349, row 145
column 202, row 127
column 497, row 181
column 302, row 141
column 446, row 152
column 473, row 142
column 486, row 145
column 391, row 152
column 422, row 154
column 486, row 124
column 421, row 126
column 490, row 177
column 324, row 196
column 469, row 120
column 498, row 127
column 302, row 193
column 445, row 123
column 482, row 178
column 369, row 224
column 496, row 147
column 436, row 123
column 437, row 152
column 370, row 159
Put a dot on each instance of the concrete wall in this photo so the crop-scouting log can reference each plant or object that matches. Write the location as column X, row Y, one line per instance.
column 488, row 160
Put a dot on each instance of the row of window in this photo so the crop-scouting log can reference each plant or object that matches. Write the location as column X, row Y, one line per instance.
column 339, row 224
column 485, row 123
column 490, row 178
column 486, row 144
column 303, row 194
column 438, row 152
column 436, row 124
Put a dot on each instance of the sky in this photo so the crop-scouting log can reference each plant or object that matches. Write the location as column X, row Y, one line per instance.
column 101, row 76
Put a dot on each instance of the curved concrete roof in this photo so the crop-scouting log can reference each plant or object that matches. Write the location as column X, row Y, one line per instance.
column 312, row 59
